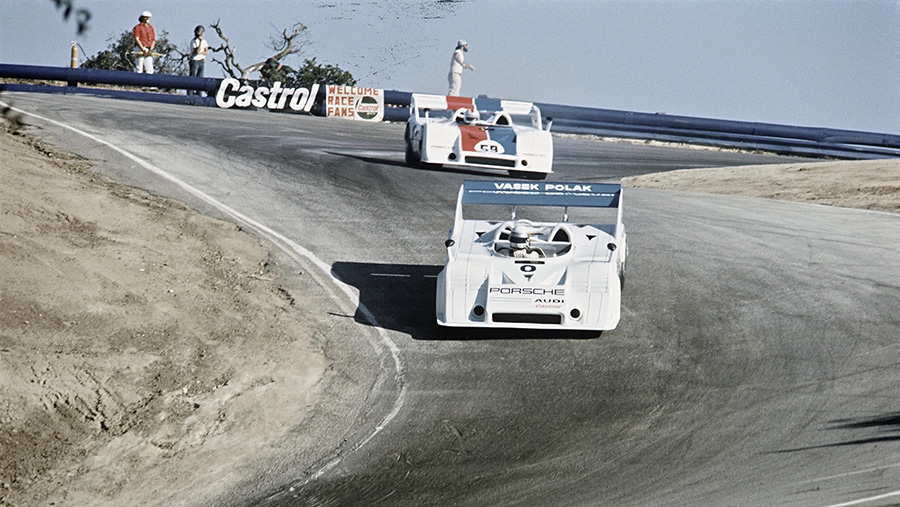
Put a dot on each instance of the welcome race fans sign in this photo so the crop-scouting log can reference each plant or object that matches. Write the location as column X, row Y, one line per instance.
column 355, row 103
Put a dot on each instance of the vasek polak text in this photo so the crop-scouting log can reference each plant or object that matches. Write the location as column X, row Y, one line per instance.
column 543, row 187
column 232, row 94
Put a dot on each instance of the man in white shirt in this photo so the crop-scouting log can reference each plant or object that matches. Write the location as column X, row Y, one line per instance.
column 457, row 64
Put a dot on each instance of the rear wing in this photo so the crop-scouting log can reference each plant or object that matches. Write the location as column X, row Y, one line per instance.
column 559, row 194
column 425, row 101
column 585, row 195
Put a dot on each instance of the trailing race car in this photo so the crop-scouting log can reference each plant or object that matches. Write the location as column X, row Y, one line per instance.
column 510, row 266
column 483, row 133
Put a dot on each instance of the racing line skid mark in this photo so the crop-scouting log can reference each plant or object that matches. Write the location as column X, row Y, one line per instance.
column 296, row 252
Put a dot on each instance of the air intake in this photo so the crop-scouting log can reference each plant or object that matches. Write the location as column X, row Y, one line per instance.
column 499, row 162
column 527, row 318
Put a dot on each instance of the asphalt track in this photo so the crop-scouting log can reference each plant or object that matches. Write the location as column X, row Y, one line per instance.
column 756, row 362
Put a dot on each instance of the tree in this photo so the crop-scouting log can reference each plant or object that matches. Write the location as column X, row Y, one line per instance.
column 119, row 56
column 290, row 43
column 272, row 69
column 312, row 72
column 82, row 16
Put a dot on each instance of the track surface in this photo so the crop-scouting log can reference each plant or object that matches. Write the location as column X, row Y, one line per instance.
column 756, row 362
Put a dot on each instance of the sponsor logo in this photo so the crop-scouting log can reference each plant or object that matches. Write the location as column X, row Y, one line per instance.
column 232, row 93
column 527, row 291
column 367, row 107
column 545, row 187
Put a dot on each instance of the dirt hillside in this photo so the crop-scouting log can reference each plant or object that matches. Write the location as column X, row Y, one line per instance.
column 140, row 342
column 869, row 184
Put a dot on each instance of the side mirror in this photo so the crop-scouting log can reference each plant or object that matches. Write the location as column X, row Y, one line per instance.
column 449, row 243
column 611, row 246
column 549, row 122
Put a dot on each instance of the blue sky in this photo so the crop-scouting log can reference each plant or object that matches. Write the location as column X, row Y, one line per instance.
column 820, row 63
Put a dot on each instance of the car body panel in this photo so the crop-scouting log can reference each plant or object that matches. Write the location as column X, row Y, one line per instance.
column 571, row 277
column 479, row 133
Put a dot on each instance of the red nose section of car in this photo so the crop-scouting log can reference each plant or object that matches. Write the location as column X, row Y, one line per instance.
column 470, row 136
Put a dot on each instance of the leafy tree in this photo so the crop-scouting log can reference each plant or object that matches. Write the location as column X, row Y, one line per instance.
column 312, row 72
column 119, row 56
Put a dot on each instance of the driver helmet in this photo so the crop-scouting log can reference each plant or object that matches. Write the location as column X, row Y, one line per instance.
column 471, row 116
column 519, row 237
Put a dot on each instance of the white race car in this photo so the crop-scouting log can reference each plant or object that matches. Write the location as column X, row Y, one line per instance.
column 510, row 267
column 480, row 133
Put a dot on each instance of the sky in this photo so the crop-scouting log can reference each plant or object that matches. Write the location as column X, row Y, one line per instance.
column 815, row 63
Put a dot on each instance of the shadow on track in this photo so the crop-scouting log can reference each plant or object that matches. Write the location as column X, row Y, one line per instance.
column 402, row 297
column 432, row 167
column 889, row 423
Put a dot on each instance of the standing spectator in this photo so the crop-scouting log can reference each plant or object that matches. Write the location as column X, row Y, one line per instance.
column 199, row 50
column 457, row 64
column 145, row 38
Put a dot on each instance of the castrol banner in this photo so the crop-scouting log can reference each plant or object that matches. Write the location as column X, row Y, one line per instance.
column 354, row 103
column 234, row 93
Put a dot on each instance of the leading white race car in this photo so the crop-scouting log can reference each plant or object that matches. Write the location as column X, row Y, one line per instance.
column 509, row 267
column 482, row 133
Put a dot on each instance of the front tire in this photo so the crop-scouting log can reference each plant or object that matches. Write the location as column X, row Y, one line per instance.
column 412, row 158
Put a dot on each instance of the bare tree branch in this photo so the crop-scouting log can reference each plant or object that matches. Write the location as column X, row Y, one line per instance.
column 289, row 44
column 228, row 65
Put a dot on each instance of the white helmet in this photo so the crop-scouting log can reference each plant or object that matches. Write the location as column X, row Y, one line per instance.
column 519, row 237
